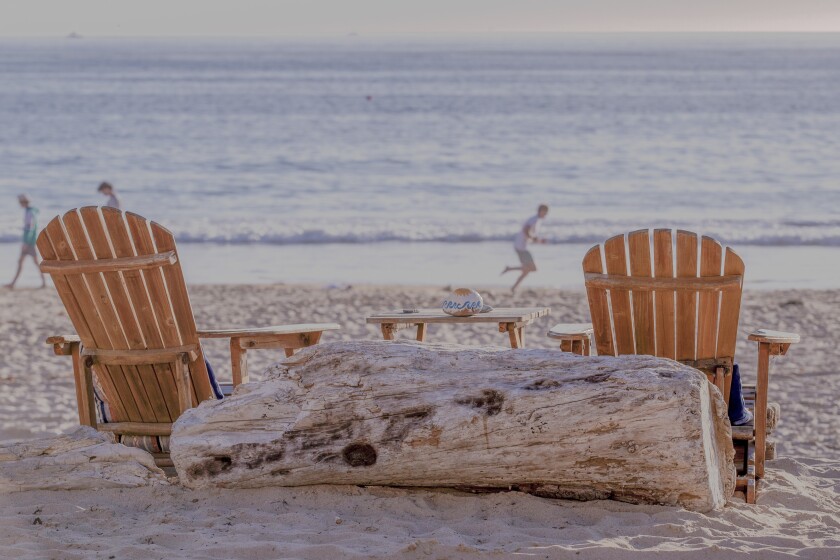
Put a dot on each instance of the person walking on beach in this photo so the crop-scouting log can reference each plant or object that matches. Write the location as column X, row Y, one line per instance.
column 107, row 189
column 527, row 234
column 30, row 234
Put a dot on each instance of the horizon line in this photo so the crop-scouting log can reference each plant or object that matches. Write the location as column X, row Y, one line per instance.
column 352, row 34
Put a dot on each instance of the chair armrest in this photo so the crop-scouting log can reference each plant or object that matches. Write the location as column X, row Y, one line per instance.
column 64, row 345
column 262, row 331
column 774, row 337
column 63, row 339
column 571, row 331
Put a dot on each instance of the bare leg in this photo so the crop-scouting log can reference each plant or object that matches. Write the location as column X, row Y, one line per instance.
column 510, row 268
column 11, row 285
column 526, row 270
column 520, row 279
column 43, row 280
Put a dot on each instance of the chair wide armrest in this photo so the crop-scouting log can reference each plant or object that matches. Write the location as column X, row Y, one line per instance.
column 570, row 331
column 63, row 339
column 774, row 337
column 263, row 331
column 65, row 345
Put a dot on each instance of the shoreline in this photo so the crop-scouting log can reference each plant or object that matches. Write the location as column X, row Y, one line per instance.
column 442, row 264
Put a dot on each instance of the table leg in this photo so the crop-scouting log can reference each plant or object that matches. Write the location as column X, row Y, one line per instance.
column 521, row 337
column 421, row 332
column 289, row 352
column 388, row 331
column 513, row 333
column 239, row 362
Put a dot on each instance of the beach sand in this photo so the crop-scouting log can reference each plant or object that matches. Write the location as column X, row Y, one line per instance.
column 798, row 514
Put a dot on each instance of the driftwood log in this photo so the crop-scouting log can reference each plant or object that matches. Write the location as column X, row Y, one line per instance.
column 637, row 428
column 82, row 459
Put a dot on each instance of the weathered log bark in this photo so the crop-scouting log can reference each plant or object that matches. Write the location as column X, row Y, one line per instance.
column 636, row 428
column 82, row 459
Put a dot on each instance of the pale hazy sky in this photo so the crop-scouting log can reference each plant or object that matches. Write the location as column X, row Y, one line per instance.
column 304, row 17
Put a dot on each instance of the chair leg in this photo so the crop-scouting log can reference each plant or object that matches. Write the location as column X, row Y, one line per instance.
column 760, row 412
column 752, row 482
column 84, row 388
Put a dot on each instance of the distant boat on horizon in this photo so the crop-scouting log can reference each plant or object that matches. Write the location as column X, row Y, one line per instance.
column 74, row 35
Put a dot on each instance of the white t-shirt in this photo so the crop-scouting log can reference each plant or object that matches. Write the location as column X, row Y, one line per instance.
column 520, row 243
column 113, row 202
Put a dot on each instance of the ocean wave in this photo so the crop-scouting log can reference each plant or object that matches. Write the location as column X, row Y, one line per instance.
column 734, row 237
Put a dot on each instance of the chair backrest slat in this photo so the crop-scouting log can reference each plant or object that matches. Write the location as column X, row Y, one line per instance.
column 664, row 300
column 640, row 267
column 124, row 305
column 686, row 301
column 182, row 309
column 598, row 305
column 730, row 307
column 616, row 261
column 708, row 303
column 677, row 296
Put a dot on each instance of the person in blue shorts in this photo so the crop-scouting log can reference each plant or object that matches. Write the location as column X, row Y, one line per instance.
column 30, row 234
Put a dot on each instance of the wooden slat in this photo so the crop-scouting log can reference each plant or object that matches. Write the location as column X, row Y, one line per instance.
column 106, row 264
column 710, row 285
column 148, row 397
column 598, row 307
column 140, row 357
column 80, row 306
column 180, row 299
column 165, row 392
column 640, row 267
column 137, row 428
column 686, row 312
column 708, row 305
column 108, row 312
column 663, row 268
column 730, row 307
column 279, row 329
column 616, row 261
column 160, row 298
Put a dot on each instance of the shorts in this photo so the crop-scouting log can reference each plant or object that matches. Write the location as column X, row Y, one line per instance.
column 525, row 257
column 28, row 250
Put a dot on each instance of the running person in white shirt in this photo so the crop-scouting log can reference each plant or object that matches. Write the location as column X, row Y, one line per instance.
column 528, row 233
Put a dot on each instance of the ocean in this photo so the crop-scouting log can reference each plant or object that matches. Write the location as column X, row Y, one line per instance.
column 416, row 159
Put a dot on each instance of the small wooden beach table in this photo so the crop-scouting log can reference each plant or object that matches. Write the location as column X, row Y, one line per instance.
column 511, row 320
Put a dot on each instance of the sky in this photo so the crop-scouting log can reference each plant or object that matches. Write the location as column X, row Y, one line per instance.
column 340, row 17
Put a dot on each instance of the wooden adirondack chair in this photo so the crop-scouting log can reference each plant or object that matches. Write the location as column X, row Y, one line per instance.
column 644, row 303
column 120, row 280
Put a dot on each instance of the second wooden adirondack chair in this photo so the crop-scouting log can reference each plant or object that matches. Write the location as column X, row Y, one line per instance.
column 679, row 297
column 120, row 280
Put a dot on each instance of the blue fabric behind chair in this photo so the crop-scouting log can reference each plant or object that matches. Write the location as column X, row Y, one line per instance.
column 738, row 412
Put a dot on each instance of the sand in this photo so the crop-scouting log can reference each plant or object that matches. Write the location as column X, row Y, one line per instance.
column 798, row 514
